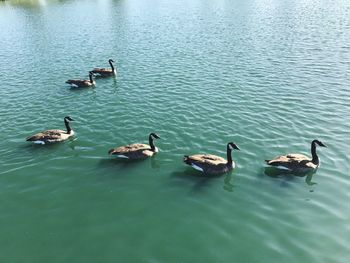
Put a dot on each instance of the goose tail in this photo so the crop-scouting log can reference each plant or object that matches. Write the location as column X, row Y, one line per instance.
column 186, row 159
column 30, row 138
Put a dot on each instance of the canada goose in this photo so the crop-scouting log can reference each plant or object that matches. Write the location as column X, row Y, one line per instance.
column 298, row 162
column 212, row 164
column 82, row 83
column 137, row 150
column 53, row 135
column 105, row 72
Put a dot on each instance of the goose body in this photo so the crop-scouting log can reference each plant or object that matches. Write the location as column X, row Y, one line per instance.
column 50, row 136
column 81, row 83
column 137, row 150
column 212, row 164
column 105, row 72
column 298, row 162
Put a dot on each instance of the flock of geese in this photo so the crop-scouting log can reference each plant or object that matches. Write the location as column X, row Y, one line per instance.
column 101, row 72
column 209, row 164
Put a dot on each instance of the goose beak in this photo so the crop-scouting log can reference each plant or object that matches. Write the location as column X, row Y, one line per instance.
column 236, row 147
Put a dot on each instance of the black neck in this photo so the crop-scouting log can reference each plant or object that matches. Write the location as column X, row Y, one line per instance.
column 313, row 153
column 90, row 77
column 67, row 126
column 229, row 157
column 110, row 63
column 151, row 143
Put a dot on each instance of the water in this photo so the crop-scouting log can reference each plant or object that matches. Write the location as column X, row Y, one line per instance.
column 269, row 75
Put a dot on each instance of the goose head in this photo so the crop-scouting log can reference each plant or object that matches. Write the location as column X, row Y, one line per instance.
column 110, row 60
column 232, row 146
column 151, row 138
column 68, row 119
column 319, row 143
column 154, row 136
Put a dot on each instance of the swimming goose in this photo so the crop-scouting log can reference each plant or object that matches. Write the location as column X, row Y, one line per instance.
column 105, row 72
column 298, row 162
column 212, row 164
column 137, row 150
column 82, row 83
column 50, row 136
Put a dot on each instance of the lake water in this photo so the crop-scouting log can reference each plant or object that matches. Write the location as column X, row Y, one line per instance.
column 269, row 75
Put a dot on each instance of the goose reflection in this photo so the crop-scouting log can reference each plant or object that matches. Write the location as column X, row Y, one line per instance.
column 290, row 175
column 228, row 185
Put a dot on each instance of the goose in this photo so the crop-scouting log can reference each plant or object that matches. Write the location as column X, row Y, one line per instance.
column 212, row 164
column 137, row 150
column 105, row 72
column 82, row 83
column 298, row 162
column 50, row 136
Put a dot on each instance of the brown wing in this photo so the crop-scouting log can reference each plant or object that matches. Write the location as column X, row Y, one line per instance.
column 290, row 161
column 297, row 156
column 207, row 163
column 207, row 158
column 129, row 148
column 49, row 135
column 102, row 70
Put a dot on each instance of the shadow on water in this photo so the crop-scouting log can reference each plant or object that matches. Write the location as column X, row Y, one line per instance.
column 82, row 89
column 197, row 179
column 200, row 181
column 109, row 81
column 228, row 185
column 115, row 85
column 30, row 146
column 126, row 163
column 110, row 161
column 289, row 176
column 155, row 163
column 91, row 91
column 39, row 147
column 74, row 145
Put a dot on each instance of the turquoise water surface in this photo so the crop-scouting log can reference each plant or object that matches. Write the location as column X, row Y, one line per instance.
column 269, row 75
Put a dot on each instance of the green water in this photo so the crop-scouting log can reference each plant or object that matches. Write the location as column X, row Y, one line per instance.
column 269, row 75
